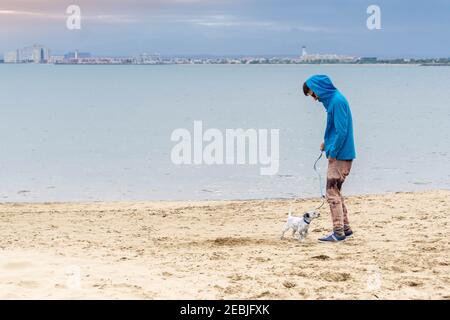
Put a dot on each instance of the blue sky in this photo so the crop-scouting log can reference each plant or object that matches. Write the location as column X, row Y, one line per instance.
column 230, row 27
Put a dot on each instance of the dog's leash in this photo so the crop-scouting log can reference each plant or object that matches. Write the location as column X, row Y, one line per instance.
column 320, row 181
column 322, row 195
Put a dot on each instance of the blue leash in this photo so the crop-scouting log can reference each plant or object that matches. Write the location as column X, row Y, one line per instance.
column 322, row 195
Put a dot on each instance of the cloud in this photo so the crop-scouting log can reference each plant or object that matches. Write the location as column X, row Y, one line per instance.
column 50, row 5
column 226, row 21
column 107, row 18
column 220, row 21
column 111, row 18
column 26, row 13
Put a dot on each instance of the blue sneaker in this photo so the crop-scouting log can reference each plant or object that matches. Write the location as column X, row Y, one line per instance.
column 332, row 237
column 348, row 233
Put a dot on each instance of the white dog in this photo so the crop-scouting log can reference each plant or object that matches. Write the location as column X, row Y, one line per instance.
column 299, row 224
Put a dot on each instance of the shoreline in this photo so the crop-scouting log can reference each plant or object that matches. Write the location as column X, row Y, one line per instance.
column 183, row 250
column 233, row 64
column 208, row 201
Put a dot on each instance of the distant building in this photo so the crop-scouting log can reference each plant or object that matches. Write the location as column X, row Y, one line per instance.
column 12, row 57
column 368, row 60
column 148, row 59
column 77, row 55
column 36, row 54
column 327, row 58
column 32, row 54
column 304, row 53
column 56, row 59
column 324, row 58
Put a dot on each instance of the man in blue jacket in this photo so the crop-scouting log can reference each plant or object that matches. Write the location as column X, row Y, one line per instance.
column 339, row 147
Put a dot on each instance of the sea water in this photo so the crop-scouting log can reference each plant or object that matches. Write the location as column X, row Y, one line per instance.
column 88, row 133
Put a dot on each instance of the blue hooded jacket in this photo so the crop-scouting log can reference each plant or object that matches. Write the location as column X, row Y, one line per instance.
column 339, row 143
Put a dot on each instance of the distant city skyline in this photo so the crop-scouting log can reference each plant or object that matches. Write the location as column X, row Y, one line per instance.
column 50, row 52
column 38, row 53
column 229, row 27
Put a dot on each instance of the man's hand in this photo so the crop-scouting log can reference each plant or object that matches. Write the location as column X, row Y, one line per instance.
column 322, row 146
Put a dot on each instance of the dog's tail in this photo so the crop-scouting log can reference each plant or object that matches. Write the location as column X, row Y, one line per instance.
column 290, row 210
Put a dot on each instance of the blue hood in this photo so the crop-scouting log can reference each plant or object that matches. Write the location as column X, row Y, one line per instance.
column 338, row 138
column 322, row 86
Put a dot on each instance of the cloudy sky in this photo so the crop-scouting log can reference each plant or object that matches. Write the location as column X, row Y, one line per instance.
column 230, row 27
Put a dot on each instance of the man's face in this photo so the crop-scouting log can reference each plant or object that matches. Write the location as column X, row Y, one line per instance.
column 312, row 94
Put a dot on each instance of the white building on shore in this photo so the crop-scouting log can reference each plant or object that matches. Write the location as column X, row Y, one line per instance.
column 324, row 58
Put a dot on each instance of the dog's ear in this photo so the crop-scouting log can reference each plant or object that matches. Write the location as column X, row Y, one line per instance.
column 306, row 215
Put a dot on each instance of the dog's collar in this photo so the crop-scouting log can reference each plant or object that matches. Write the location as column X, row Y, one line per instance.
column 306, row 221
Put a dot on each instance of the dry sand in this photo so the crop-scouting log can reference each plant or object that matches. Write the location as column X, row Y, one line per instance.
column 224, row 250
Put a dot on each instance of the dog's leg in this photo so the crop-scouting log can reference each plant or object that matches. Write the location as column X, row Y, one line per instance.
column 286, row 228
column 301, row 235
column 306, row 231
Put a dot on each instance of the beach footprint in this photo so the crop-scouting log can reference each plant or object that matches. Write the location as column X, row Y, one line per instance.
column 28, row 284
column 17, row 265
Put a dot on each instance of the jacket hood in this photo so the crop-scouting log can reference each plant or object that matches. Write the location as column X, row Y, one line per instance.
column 322, row 86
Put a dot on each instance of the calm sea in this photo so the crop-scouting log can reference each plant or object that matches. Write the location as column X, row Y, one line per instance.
column 72, row 133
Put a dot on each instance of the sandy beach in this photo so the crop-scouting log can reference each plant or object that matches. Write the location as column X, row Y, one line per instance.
column 224, row 250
